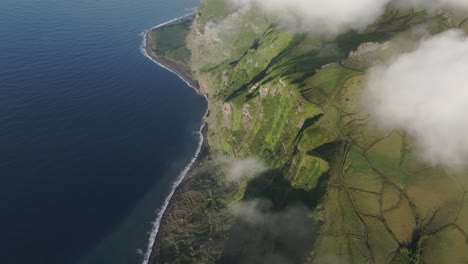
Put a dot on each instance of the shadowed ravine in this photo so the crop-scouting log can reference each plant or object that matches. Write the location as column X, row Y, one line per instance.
column 337, row 190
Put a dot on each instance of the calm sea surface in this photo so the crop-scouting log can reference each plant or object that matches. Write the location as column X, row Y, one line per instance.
column 92, row 133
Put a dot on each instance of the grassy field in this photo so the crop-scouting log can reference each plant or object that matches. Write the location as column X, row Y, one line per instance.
column 292, row 100
column 170, row 41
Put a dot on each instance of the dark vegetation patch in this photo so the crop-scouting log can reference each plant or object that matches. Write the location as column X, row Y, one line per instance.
column 285, row 230
column 370, row 206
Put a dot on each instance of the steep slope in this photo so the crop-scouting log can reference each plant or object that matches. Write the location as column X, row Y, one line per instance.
column 337, row 190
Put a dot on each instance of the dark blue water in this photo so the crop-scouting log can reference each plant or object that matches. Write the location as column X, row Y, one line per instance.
column 92, row 133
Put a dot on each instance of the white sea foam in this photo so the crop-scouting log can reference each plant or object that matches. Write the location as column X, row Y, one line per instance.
column 183, row 173
column 175, row 19
column 175, row 185
column 143, row 51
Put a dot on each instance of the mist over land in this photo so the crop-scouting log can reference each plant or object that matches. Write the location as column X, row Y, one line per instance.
column 423, row 92
column 336, row 134
column 337, row 16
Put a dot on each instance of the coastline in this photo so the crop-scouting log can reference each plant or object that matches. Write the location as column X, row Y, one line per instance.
column 202, row 156
column 202, row 153
column 183, row 72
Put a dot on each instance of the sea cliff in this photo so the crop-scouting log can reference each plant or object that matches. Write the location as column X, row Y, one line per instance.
column 332, row 188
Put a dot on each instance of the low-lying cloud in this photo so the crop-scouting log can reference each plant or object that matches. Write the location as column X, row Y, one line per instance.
column 425, row 93
column 325, row 16
column 246, row 167
column 337, row 16
column 264, row 235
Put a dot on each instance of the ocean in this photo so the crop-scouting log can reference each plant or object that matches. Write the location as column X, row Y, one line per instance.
column 93, row 134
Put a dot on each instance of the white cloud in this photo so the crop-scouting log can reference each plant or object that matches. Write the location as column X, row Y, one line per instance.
column 425, row 93
column 258, row 221
column 336, row 16
column 326, row 16
column 246, row 167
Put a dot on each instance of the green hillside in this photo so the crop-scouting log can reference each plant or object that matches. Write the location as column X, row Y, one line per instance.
column 337, row 189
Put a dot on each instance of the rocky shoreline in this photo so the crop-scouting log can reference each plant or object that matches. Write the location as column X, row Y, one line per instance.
column 182, row 70
column 185, row 73
column 202, row 156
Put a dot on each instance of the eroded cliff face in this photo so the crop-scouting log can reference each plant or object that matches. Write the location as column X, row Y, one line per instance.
column 241, row 61
column 337, row 190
